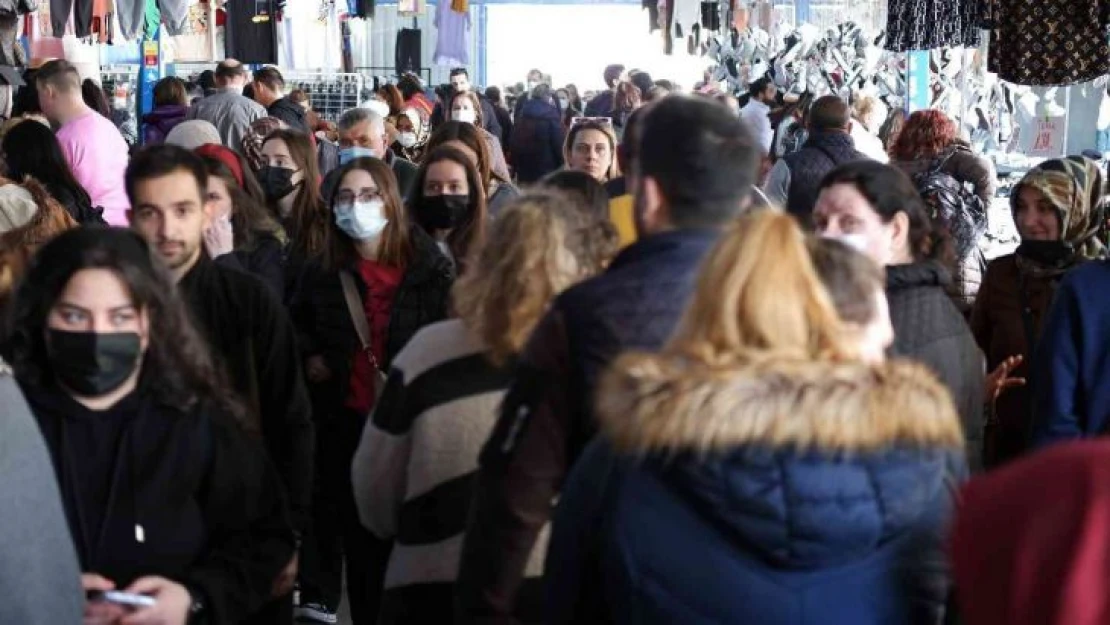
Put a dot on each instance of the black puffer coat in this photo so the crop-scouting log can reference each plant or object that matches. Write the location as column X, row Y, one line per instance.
column 325, row 327
column 929, row 329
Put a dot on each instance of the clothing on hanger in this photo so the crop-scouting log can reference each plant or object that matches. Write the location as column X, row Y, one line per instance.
column 250, row 32
column 82, row 12
column 931, row 24
column 360, row 8
column 453, row 42
column 1048, row 42
column 175, row 13
column 408, row 51
column 131, row 14
column 460, row 6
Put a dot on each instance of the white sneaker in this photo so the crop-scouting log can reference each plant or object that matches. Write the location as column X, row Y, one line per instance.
column 314, row 613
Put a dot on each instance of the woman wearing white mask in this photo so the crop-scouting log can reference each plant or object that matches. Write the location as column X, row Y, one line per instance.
column 379, row 281
column 467, row 108
column 412, row 135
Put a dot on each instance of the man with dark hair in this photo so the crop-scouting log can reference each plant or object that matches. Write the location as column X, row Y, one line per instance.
column 757, row 112
column 602, row 104
column 248, row 330
column 228, row 109
column 460, row 83
column 795, row 180
column 501, row 111
column 93, row 146
column 694, row 172
column 269, row 91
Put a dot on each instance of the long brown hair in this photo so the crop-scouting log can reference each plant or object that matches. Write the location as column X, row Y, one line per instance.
column 603, row 128
column 395, row 247
column 470, row 136
column 469, row 236
column 514, row 278
column 249, row 219
column 308, row 222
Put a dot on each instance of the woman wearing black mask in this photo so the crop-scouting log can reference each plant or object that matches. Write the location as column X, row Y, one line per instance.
column 1058, row 211
column 166, row 495
column 400, row 283
column 290, row 178
column 449, row 203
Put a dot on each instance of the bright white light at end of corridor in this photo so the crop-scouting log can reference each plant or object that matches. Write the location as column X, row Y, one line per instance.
column 573, row 44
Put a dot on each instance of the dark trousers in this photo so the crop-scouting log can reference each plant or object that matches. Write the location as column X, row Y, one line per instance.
column 337, row 538
column 276, row 612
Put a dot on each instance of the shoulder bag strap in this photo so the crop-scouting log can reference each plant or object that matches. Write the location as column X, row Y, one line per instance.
column 358, row 315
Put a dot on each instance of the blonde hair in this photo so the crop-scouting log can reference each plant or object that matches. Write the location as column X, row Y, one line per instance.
column 759, row 291
column 521, row 268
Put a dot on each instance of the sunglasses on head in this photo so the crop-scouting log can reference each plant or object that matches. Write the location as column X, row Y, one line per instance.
column 604, row 121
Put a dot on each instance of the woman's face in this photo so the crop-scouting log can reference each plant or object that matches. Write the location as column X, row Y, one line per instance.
column 276, row 154
column 96, row 300
column 464, row 106
column 842, row 212
column 878, row 334
column 446, row 178
column 592, row 154
column 404, row 124
column 219, row 197
column 1035, row 217
column 357, row 186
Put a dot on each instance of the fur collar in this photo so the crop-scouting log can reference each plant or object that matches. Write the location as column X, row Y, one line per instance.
column 669, row 403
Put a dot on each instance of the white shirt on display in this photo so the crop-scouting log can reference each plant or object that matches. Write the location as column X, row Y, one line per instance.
column 757, row 116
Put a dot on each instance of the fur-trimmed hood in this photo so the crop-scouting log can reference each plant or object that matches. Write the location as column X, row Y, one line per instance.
column 809, row 464
column 652, row 404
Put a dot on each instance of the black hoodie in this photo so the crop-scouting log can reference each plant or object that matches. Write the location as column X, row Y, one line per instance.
column 289, row 112
column 185, row 494
column 249, row 333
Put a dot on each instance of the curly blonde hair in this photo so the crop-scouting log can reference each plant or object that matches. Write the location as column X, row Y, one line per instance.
column 539, row 246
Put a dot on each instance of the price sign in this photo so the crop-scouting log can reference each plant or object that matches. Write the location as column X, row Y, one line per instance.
column 1048, row 137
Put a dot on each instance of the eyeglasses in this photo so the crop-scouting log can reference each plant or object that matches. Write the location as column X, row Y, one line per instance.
column 348, row 197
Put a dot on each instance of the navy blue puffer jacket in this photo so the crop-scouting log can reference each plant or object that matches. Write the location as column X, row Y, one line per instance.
column 778, row 493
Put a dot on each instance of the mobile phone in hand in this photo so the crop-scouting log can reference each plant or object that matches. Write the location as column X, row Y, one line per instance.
column 126, row 599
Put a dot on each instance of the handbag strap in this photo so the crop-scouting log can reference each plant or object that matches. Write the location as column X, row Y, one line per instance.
column 358, row 314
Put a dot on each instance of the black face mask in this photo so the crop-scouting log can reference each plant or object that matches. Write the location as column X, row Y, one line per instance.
column 277, row 182
column 1047, row 253
column 92, row 364
column 443, row 212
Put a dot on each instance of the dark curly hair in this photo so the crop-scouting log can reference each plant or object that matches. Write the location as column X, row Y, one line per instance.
column 177, row 369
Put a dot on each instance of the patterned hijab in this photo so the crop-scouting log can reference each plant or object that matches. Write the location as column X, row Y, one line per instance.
column 254, row 137
column 1076, row 186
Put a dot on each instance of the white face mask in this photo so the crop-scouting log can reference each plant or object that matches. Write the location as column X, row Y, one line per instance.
column 119, row 103
column 465, row 115
column 406, row 139
column 858, row 242
column 362, row 220
column 564, row 104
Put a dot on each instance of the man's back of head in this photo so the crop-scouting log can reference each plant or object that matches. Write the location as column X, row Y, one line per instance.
column 830, row 114
column 230, row 73
column 612, row 75
column 696, row 165
column 59, row 91
column 269, row 86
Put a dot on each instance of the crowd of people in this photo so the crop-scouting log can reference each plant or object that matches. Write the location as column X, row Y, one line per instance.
column 641, row 357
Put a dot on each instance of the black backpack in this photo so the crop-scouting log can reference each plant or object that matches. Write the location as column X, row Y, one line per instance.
column 953, row 205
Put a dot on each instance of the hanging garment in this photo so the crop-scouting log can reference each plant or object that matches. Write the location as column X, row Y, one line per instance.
column 11, row 54
column 930, row 24
column 250, row 34
column 453, row 43
column 460, row 6
column 82, row 16
column 174, row 15
column 710, row 16
column 360, row 8
column 411, row 8
column 408, row 51
column 1049, row 42
column 131, row 15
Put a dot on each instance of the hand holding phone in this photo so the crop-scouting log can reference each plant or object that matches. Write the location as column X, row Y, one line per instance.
column 100, row 612
column 124, row 599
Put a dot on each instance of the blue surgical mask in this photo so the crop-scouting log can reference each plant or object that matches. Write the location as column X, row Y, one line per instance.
column 346, row 155
column 362, row 220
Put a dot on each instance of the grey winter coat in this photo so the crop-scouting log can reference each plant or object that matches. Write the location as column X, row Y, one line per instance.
column 40, row 581
column 230, row 112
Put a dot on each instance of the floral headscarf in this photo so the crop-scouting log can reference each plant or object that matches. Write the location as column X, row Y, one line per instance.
column 256, row 136
column 1076, row 186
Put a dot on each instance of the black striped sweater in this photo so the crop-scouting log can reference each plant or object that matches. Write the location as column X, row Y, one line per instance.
column 414, row 470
